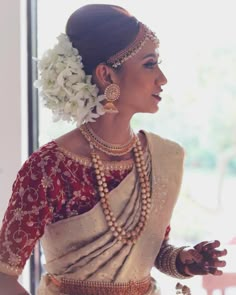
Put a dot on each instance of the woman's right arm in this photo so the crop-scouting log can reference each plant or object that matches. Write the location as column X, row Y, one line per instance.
column 23, row 224
column 10, row 286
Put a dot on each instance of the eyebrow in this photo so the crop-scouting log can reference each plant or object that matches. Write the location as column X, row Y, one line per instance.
column 154, row 55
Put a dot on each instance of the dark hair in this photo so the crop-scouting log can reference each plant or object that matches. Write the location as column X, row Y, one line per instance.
column 99, row 31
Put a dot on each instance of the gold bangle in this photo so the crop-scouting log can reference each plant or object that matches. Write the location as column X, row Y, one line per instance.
column 166, row 261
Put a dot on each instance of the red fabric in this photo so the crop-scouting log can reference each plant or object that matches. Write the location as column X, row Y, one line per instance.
column 167, row 233
column 49, row 187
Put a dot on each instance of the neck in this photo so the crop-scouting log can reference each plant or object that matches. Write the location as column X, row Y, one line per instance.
column 113, row 129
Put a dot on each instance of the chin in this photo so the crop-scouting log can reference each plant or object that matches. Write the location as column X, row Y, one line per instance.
column 150, row 111
column 153, row 110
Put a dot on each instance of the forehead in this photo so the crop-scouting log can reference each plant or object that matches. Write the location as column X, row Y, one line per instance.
column 149, row 49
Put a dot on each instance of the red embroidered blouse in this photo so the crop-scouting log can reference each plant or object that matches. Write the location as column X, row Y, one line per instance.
column 52, row 185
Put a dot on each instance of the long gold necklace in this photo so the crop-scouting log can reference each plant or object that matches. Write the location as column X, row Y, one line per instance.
column 107, row 148
column 121, row 234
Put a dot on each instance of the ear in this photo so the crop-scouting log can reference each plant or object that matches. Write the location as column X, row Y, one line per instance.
column 104, row 76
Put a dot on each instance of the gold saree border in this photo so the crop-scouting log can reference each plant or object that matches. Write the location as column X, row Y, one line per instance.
column 81, row 287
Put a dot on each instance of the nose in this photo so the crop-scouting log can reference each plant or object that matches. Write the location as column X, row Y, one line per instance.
column 161, row 78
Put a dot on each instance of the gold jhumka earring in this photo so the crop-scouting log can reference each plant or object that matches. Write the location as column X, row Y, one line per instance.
column 112, row 93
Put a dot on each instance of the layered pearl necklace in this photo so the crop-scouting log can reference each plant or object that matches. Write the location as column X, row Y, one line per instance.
column 121, row 234
column 106, row 147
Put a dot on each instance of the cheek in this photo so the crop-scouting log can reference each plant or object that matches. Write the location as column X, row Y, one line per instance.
column 136, row 83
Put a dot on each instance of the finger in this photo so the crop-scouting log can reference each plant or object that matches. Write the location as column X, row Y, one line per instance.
column 213, row 254
column 211, row 245
column 217, row 263
column 195, row 269
column 223, row 253
column 200, row 246
column 215, row 272
column 217, row 253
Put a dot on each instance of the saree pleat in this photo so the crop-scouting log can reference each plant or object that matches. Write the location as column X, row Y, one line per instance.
column 83, row 248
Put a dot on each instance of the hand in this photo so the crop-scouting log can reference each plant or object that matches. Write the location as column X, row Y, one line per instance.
column 202, row 259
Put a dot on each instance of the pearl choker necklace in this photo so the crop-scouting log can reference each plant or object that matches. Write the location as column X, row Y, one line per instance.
column 107, row 148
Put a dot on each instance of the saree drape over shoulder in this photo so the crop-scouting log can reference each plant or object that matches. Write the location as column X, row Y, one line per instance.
column 82, row 248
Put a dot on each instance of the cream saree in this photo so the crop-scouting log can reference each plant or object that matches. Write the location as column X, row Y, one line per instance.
column 82, row 247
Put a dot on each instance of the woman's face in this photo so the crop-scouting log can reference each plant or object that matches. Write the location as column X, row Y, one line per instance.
column 141, row 81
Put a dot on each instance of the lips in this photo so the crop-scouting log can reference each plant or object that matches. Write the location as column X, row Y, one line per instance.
column 157, row 96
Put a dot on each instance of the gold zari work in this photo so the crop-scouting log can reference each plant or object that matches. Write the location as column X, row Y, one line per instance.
column 70, row 286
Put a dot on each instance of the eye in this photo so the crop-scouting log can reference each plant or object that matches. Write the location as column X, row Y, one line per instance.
column 152, row 64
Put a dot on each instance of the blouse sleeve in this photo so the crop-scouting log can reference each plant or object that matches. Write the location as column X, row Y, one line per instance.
column 25, row 218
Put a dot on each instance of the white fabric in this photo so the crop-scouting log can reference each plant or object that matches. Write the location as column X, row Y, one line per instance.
column 82, row 247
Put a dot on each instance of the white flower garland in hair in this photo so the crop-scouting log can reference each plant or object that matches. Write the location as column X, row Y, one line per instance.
column 65, row 88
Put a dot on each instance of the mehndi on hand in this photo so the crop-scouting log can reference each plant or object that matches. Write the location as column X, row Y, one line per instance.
column 202, row 259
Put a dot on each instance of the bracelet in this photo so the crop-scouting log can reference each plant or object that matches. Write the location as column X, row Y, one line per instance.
column 166, row 261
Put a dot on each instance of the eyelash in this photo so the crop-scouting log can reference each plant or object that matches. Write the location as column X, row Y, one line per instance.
column 152, row 64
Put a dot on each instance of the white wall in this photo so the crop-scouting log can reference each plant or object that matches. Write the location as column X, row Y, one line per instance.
column 13, row 100
column 12, row 95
